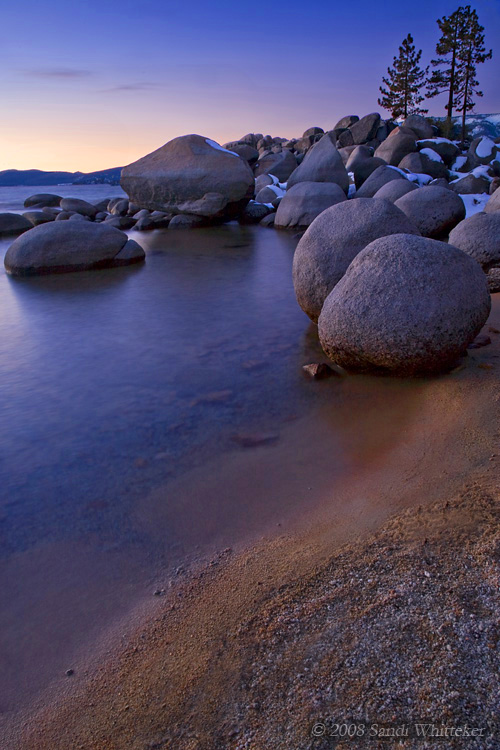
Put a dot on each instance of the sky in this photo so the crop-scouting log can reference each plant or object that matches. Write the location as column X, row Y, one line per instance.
column 89, row 85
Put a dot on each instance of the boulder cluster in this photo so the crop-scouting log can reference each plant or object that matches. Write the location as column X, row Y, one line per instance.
column 69, row 234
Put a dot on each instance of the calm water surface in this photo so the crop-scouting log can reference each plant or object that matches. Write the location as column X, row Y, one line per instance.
column 117, row 382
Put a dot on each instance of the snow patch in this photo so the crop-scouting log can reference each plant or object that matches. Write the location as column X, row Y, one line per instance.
column 474, row 203
column 219, row 148
column 459, row 162
column 436, row 140
column 433, row 155
column 485, row 148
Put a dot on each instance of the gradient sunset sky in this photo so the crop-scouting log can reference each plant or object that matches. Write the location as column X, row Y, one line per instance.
column 90, row 85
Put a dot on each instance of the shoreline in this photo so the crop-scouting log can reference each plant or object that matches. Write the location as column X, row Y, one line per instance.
column 184, row 671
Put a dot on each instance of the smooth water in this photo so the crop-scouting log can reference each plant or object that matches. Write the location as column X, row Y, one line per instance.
column 114, row 384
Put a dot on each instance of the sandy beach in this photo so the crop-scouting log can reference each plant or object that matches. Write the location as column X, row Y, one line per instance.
column 380, row 606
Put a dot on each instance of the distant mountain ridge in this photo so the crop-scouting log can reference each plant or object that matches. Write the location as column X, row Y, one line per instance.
column 488, row 125
column 14, row 177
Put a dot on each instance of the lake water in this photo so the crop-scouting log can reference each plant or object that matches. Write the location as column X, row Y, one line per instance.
column 117, row 384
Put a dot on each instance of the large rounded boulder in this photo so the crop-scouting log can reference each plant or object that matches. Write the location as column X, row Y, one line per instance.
column 333, row 240
column 13, row 224
column 190, row 175
column 434, row 210
column 407, row 306
column 395, row 189
column 64, row 246
column 380, row 176
column 303, row 202
column 322, row 163
column 479, row 237
column 396, row 147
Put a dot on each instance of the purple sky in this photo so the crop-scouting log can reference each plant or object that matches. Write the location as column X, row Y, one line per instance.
column 89, row 85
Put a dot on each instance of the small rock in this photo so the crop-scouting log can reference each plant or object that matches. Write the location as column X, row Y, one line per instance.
column 319, row 371
column 479, row 341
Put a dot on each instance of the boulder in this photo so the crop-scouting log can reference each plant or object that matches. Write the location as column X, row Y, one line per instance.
column 482, row 150
column 345, row 153
column 42, row 199
column 362, row 170
column 396, row 147
column 184, row 221
column 313, row 131
column 421, row 163
column 270, row 194
column 346, row 122
column 470, row 185
column 180, row 175
column 64, row 216
column 131, row 252
column 79, row 217
column 365, row 129
column 479, row 237
column 493, row 279
column 78, row 206
column 120, row 208
column 395, row 189
column 333, row 240
column 358, row 155
column 304, row 201
column 493, row 203
column 59, row 247
column 145, row 223
column 440, row 182
column 345, row 139
column 380, row 176
column 446, row 149
column 322, row 163
column 51, row 211
column 406, row 306
column 120, row 222
column 38, row 217
column 420, row 126
column 254, row 213
column 268, row 221
column 494, row 185
column 247, row 152
column 280, row 165
column 103, row 205
column 434, row 210
column 13, row 224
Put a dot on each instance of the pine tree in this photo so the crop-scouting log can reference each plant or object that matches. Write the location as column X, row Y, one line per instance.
column 471, row 52
column 459, row 49
column 402, row 95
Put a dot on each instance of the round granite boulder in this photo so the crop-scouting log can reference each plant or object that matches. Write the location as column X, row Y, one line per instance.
column 78, row 206
column 333, row 240
column 395, row 189
column 42, row 199
column 493, row 204
column 280, row 165
column 63, row 246
column 190, row 175
column 303, row 202
column 322, row 163
column 396, row 147
column 13, row 224
column 406, row 306
column 380, row 176
column 479, row 237
column 434, row 210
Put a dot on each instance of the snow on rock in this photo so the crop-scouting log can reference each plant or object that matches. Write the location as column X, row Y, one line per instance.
column 485, row 147
column 431, row 154
column 219, row 148
column 459, row 162
column 436, row 140
column 474, row 203
column 416, row 177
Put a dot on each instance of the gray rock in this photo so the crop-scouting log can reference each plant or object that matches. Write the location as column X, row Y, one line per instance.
column 440, row 182
column 184, row 221
column 333, row 240
column 78, row 217
column 42, row 199
column 422, row 164
column 262, row 181
column 346, row 122
column 447, row 150
column 494, row 185
column 395, row 189
column 254, row 213
column 64, row 215
column 365, row 168
column 145, row 223
column 38, row 217
column 186, row 170
column 78, row 206
column 345, row 139
column 380, row 176
column 470, row 185
column 64, row 246
column 493, row 279
column 396, row 147
column 101, row 216
column 420, row 126
column 268, row 221
column 304, row 201
column 131, row 252
column 479, row 237
column 270, row 194
column 345, row 152
column 406, row 306
column 313, row 131
column 358, row 155
column 365, row 129
column 13, row 224
column 51, row 211
column 103, row 205
column 434, row 210
column 280, row 165
column 485, row 145
column 493, row 203
column 120, row 208
column 245, row 150
column 322, row 163
column 120, row 222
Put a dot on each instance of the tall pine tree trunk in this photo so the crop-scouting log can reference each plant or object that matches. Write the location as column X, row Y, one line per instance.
column 452, row 78
column 466, row 91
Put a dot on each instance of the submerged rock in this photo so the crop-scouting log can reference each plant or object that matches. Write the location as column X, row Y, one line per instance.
column 65, row 246
column 333, row 240
column 406, row 305
column 190, row 175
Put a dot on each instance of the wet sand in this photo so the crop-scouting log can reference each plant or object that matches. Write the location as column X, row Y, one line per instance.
column 248, row 649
